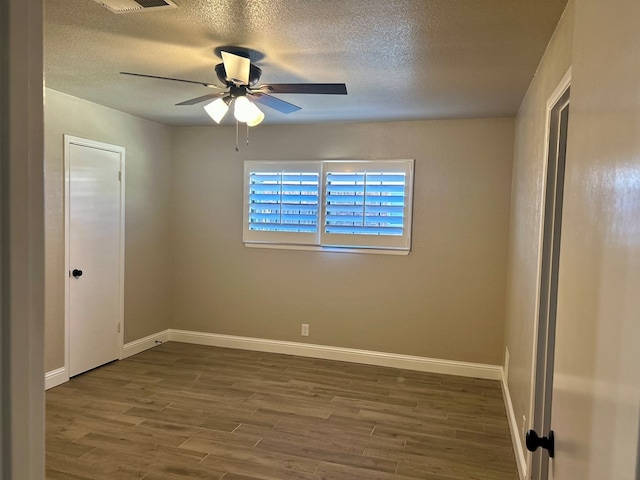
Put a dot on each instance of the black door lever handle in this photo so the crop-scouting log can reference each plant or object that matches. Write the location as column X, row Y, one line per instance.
column 76, row 273
column 533, row 441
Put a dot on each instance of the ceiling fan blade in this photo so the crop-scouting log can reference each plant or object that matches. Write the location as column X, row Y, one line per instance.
column 204, row 84
column 273, row 102
column 237, row 68
column 203, row 98
column 314, row 88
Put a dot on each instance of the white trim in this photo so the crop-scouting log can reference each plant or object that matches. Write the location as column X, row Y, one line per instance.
column 68, row 140
column 555, row 96
column 61, row 375
column 326, row 352
column 319, row 248
column 518, row 448
column 55, row 377
column 507, row 362
column 142, row 344
column 394, row 360
column 122, row 177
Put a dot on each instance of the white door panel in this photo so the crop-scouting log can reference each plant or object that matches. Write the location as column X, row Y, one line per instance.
column 94, row 229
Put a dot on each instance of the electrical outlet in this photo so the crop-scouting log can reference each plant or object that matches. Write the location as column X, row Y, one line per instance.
column 305, row 330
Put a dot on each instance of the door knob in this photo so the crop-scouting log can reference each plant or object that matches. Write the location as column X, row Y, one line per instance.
column 533, row 441
column 76, row 273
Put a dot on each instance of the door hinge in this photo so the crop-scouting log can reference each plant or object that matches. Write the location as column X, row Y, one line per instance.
column 118, row 327
column 119, row 175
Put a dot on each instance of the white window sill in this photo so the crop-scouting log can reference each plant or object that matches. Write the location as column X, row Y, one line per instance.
column 318, row 248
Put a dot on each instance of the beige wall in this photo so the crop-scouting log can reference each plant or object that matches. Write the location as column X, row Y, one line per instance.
column 526, row 211
column 147, row 230
column 596, row 394
column 444, row 300
column 452, row 282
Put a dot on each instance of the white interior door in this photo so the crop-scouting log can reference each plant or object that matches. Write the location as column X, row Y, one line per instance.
column 94, row 256
column 596, row 388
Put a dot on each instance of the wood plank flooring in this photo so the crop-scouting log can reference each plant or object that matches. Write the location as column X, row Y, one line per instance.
column 181, row 411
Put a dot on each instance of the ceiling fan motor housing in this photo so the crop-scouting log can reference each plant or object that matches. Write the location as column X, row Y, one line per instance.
column 237, row 91
column 254, row 74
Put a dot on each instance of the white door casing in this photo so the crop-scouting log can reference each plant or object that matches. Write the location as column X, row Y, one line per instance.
column 94, row 227
column 551, row 226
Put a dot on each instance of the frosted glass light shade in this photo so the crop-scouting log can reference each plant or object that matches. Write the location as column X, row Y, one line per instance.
column 246, row 111
column 217, row 109
column 257, row 119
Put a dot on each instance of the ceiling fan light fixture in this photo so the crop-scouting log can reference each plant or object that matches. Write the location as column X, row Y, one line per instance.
column 245, row 111
column 217, row 109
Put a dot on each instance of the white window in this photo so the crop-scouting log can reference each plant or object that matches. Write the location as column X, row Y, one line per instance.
column 329, row 204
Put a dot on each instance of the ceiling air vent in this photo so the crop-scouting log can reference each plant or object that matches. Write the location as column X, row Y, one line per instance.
column 131, row 6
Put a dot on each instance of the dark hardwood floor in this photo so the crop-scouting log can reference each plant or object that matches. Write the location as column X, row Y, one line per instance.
column 182, row 411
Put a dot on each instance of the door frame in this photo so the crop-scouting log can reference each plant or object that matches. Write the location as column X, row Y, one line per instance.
column 68, row 141
column 536, row 411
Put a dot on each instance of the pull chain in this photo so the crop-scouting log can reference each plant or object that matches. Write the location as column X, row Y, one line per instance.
column 237, row 148
column 247, row 134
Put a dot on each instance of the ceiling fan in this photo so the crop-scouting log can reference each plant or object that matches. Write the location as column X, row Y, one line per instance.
column 240, row 77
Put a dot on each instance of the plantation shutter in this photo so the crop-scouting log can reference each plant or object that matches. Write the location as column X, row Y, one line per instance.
column 282, row 202
column 367, row 204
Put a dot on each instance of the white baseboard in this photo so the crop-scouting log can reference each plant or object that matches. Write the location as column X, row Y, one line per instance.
column 55, row 377
column 142, row 344
column 518, row 447
column 60, row 375
column 394, row 360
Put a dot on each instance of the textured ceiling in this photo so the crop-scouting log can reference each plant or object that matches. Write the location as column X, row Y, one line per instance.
column 400, row 59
